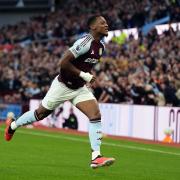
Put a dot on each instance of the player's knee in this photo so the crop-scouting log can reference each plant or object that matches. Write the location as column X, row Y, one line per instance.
column 40, row 115
column 96, row 116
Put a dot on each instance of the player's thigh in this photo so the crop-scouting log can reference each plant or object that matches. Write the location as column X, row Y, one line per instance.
column 90, row 108
column 87, row 103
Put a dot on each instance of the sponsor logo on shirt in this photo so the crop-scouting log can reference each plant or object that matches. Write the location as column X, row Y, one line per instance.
column 92, row 60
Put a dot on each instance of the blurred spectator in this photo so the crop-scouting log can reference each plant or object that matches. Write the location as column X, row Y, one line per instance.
column 70, row 18
column 71, row 122
column 143, row 71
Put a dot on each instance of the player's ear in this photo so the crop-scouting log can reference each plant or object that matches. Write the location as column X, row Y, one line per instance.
column 93, row 26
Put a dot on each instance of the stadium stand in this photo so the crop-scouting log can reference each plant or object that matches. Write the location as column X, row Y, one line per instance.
column 143, row 71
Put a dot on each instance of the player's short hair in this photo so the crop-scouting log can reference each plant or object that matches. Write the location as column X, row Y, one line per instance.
column 92, row 20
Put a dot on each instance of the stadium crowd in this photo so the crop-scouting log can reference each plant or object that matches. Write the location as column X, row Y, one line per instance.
column 71, row 18
column 143, row 71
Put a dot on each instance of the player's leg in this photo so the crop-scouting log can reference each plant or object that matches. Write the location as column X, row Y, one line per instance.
column 27, row 118
column 91, row 110
column 87, row 104
column 53, row 98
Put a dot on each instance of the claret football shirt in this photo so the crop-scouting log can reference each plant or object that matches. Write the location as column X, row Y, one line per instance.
column 87, row 53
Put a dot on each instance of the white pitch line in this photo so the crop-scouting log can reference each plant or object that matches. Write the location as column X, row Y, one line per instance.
column 104, row 143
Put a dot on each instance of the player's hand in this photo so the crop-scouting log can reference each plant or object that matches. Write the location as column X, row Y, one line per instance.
column 93, row 79
column 87, row 76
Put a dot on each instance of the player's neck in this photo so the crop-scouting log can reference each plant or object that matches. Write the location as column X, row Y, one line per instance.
column 96, row 36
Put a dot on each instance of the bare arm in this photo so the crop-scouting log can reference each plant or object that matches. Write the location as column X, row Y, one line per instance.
column 66, row 64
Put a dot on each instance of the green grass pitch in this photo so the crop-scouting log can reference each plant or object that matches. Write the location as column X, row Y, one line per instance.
column 41, row 155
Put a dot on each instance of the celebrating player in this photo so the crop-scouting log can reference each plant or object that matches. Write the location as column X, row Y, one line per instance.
column 70, row 84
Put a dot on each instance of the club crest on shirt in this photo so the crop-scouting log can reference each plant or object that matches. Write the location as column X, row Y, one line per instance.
column 100, row 51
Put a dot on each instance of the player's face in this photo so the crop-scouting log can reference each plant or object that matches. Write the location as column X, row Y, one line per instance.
column 101, row 26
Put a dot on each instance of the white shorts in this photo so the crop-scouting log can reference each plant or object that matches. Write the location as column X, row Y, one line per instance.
column 59, row 93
